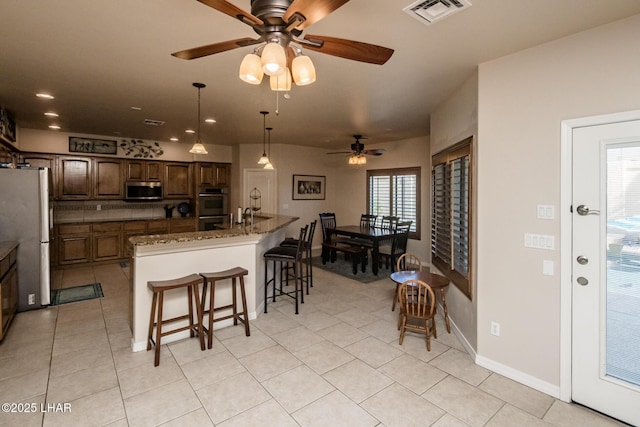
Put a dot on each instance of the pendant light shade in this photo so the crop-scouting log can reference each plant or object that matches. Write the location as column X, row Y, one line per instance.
column 198, row 147
column 251, row 69
column 304, row 73
column 282, row 82
column 274, row 59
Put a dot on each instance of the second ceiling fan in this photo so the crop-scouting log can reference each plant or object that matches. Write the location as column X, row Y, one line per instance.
column 282, row 22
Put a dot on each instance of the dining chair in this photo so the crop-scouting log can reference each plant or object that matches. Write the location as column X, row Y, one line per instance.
column 406, row 262
column 417, row 309
column 332, row 244
column 398, row 245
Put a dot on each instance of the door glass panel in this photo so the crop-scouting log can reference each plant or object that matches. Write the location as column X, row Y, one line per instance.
column 623, row 262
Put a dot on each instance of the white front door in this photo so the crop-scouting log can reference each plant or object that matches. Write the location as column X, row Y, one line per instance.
column 605, row 368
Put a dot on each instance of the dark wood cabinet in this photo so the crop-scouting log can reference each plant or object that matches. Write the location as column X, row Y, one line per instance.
column 212, row 174
column 107, row 241
column 178, row 180
column 8, row 289
column 39, row 160
column 223, row 174
column 158, row 226
column 74, row 178
column 108, row 182
column 182, row 225
column 144, row 170
column 73, row 243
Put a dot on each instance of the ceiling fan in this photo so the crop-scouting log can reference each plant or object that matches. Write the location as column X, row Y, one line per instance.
column 283, row 21
column 357, row 149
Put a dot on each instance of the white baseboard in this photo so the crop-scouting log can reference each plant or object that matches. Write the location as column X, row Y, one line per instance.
column 521, row 377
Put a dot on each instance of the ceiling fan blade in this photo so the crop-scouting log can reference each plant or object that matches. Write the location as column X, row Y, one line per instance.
column 349, row 49
column 374, row 152
column 210, row 49
column 311, row 10
column 232, row 10
column 340, row 152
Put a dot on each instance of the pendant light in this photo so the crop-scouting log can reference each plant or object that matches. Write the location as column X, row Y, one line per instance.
column 198, row 147
column 264, row 159
column 268, row 165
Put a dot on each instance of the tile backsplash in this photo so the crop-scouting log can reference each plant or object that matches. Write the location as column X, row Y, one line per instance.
column 110, row 210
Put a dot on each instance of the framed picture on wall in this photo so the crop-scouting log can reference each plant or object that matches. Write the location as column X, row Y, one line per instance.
column 90, row 145
column 308, row 187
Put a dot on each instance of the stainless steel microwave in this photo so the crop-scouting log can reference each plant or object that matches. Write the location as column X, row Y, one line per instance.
column 140, row 190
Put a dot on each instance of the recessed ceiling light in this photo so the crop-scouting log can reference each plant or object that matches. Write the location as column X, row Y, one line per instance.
column 189, row 131
column 136, row 108
column 51, row 114
column 210, row 120
column 174, row 139
column 44, row 95
column 56, row 127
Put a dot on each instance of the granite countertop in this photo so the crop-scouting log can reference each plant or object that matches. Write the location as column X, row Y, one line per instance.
column 6, row 248
column 94, row 220
column 263, row 225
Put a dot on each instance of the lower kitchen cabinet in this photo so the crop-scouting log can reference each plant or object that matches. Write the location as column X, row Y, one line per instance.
column 73, row 243
column 8, row 289
column 107, row 241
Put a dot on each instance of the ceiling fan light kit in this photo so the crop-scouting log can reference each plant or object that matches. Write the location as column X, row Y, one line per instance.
column 279, row 25
column 281, row 82
column 251, row 69
column 274, row 59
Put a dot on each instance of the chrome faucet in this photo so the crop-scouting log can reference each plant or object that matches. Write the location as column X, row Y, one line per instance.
column 248, row 215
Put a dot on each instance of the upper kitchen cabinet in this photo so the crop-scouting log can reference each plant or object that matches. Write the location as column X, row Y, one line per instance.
column 212, row 174
column 39, row 160
column 178, row 180
column 108, row 178
column 143, row 170
column 223, row 174
column 74, row 178
column 84, row 178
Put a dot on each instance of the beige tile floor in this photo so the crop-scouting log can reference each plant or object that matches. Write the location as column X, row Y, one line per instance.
column 337, row 363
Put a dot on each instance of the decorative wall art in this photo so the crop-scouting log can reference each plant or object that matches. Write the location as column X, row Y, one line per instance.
column 91, row 145
column 308, row 187
column 139, row 148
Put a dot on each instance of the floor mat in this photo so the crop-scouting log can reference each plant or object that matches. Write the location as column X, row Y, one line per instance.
column 77, row 293
column 345, row 268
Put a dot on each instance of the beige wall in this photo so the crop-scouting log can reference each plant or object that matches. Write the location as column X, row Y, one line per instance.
column 454, row 120
column 346, row 192
column 523, row 98
column 41, row 141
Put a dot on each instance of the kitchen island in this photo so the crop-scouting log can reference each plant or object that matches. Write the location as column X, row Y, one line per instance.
column 170, row 256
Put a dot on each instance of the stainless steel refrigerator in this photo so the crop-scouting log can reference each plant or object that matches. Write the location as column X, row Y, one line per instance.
column 26, row 216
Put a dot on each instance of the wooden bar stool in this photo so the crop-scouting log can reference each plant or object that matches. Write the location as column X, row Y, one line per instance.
column 192, row 283
column 233, row 274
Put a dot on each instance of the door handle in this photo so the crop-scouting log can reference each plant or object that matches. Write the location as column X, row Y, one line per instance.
column 582, row 260
column 584, row 210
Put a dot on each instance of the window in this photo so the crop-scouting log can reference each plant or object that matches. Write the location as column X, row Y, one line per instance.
column 396, row 192
column 451, row 214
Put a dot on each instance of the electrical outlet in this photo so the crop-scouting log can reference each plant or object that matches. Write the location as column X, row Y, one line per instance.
column 495, row 329
column 32, row 299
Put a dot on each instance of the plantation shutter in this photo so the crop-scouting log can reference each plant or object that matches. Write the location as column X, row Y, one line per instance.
column 451, row 213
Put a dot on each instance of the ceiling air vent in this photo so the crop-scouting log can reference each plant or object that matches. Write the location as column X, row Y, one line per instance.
column 153, row 122
column 431, row 11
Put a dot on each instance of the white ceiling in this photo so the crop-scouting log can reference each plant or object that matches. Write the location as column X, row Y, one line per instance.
column 100, row 58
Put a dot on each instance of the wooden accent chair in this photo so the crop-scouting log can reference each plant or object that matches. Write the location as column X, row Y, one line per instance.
column 417, row 309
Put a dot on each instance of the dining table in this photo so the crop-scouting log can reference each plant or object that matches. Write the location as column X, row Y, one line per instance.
column 372, row 234
column 436, row 281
